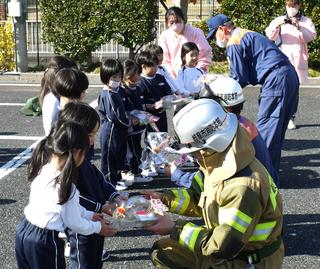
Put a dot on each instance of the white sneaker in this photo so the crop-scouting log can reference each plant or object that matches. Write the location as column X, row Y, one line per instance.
column 121, row 186
column 62, row 235
column 149, row 173
column 142, row 179
column 291, row 125
column 127, row 178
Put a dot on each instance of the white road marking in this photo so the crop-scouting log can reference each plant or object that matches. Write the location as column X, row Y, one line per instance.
column 38, row 85
column 12, row 104
column 19, row 137
column 17, row 161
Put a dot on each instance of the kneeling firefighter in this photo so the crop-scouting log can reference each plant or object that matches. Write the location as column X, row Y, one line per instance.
column 232, row 192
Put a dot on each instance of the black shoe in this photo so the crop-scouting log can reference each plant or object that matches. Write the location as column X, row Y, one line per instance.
column 105, row 255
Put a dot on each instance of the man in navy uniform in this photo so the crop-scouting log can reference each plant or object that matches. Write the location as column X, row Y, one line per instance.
column 256, row 60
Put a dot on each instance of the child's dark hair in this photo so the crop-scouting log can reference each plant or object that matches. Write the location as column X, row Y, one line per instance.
column 81, row 113
column 70, row 83
column 131, row 68
column 146, row 58
column 56, row 63
column 186, row 48
column 109, row 68
column 174, row 11
column 61, row 142
column 236, row 109
column 154, row 50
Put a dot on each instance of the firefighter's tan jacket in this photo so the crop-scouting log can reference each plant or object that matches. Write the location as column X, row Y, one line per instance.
column 238, row 200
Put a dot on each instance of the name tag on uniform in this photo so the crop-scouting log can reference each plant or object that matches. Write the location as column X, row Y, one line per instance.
column 161, row 84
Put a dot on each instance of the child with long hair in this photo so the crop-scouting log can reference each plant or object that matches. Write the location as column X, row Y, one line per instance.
column 95, row 191
column 54, row 200
column 189, row 73
column 49, row 98
column 114, row 123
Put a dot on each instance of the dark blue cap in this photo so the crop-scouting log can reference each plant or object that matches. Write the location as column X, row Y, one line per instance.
column 215, row 22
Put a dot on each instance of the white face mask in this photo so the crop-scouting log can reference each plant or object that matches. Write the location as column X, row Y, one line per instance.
column 292, row 11
column 177, row 27
column 221, row 43
column 114, row 84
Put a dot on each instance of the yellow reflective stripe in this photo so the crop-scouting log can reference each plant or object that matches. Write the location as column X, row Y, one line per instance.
column 273, row 192
column 188, row 236
column 234, row 218
column 181, row 201
column 263, row 231
column 199, row 180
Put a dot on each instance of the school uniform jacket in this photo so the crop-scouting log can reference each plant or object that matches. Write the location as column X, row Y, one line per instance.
column 94, row 189
column 153, row 90
column 133, row 99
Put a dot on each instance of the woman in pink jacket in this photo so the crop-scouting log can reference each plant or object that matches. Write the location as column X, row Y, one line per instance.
column 179, row 33
column 291, row 33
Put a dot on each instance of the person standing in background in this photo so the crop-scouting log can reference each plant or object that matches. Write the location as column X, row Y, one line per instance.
column 179, row 33
column 254, row 59
column 291, row 33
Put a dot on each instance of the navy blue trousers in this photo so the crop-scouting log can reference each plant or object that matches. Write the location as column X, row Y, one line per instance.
column 277, row 104
column 134, row 142
column 113, row 142
column 86, row 250
column 38, row 248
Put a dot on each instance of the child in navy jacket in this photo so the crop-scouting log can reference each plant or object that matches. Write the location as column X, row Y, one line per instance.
column 154, row 87
column 134, row 100
column 114, row 122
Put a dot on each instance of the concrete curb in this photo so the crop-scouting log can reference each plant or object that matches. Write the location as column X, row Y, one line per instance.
column 94, row 79
column 14, row 77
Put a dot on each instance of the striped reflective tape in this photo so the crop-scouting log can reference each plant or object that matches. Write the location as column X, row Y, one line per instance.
column 181, row 201
column 234, row 218
column 198, row 178
column 263, row 231
column 189, row 235
column 273, row 192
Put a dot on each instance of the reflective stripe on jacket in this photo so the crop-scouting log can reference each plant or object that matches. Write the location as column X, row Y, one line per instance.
column 240, row 205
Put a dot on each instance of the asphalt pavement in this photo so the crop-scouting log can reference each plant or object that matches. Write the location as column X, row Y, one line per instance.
column 299, row 175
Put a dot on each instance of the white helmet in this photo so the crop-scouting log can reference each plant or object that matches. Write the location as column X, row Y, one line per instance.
column 204, row 124
column 228, row 90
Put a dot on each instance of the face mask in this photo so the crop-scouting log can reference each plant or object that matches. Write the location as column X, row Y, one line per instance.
column 114, row 84
column 177, row 27
column 221, row 44
column 292, row 11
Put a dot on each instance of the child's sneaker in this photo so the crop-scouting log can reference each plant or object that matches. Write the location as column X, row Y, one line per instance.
column 105, row 255
column 142, row 179
column 127, row 178
column 121, row 186
column 149, row 173
column 291, row 125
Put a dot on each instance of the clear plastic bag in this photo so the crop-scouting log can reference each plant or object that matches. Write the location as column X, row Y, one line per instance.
column 144, row 117
column 169, row 101
column 136, row 212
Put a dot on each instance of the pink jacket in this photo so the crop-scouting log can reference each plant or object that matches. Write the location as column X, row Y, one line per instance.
column 294, row 42
column 171, row 45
